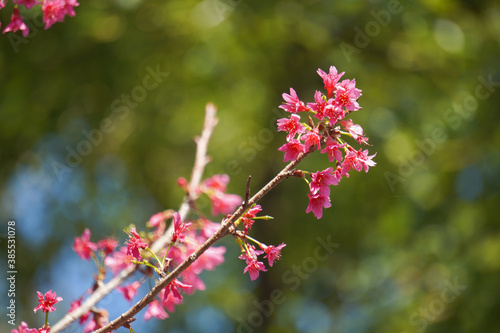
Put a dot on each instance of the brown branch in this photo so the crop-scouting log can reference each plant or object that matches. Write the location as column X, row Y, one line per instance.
column 221, row 232
column 201, row 160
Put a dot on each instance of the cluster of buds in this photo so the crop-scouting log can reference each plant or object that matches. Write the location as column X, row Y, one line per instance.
column 53, row 11
column 330, row 110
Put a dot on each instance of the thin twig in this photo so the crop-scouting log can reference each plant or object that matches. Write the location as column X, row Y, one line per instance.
column 201, row 160
column 247, row 192
column 221, row 232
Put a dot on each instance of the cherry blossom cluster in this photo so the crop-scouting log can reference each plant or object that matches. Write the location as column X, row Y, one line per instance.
column 330, row 111
column 53, row 11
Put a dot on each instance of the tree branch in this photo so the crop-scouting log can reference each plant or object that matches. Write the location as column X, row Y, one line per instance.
column 221, row 232
column 201, row 160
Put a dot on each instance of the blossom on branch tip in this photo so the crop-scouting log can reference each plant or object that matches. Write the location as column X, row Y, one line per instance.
column 134, row 243
column 272, row 252
column 47, row 302
column 330, row 80
column 347, row 94
column 119, row 260
column 292, row 150
column 83, row 246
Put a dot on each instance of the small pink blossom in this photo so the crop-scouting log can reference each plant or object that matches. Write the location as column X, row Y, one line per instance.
column 47, row 302
column 319, row 106
column 75, row 305
column 107, row 245
column 83, row 246
column 55, row 10
column 217, row 182
column 293, row 103
column 28, row 3
column 321, row 181
column 156, row 219
column 16, row 23
column 317, row 202
column 311, row 138
column 292, row 150
column 272, row 252
column 223, row 203
column 134, row 243
column 129, row 291
column 253, row 267
column 23, row 328
column 330, row 80
column 173, row 289
column 155, row 310
column 347, row 94
column 179, row 228
column 119, row 260
column 246, row 219
column 291, row 125
column 333, row 150
column 357, row 160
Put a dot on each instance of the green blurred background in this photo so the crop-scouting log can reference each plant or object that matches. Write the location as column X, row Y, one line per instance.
column 417, row 238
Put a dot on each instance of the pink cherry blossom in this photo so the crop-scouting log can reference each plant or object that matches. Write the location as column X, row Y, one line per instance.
column 134, row 243
column 16, row 23
column 223, row 203
column 83, row 246
column 321, row 181
column 293, row 103
column 55, row 10
column 173, row 289
column 347, row 94
column 107, row 245
column 357, row 160
column 317, row 202
column 119, row 260
column 291, row 125
column 179, row 228
column 355, row 130
column 75, row 305
column 330, row 80
column 47, row 302
column 333, row 150
column 155, row 310
column 217, row 182
column 23, row 328
column 28, row 3
column 253, row 267
column 272, row 252
column 130, row 290
column 292, row 150
column 311, row 138
column 246, row 219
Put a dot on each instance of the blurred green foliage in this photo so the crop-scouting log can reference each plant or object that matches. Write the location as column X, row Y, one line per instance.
column 418, row 237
